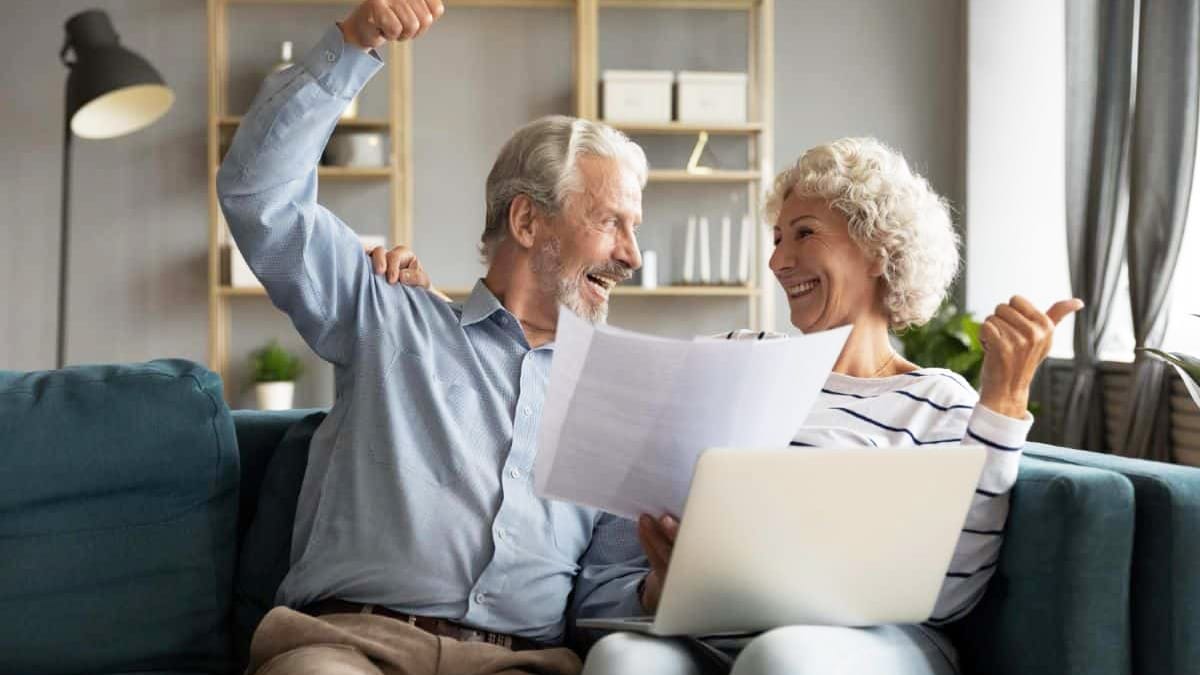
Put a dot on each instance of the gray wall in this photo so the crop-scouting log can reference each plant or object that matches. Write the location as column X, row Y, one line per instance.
column 138, row 286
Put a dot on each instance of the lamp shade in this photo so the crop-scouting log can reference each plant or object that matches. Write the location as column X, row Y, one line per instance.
column 111, row 91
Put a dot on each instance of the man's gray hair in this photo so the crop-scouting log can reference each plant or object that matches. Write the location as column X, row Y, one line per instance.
column 539, row 161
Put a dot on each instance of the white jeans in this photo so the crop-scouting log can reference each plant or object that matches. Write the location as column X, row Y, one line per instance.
column 795, row 650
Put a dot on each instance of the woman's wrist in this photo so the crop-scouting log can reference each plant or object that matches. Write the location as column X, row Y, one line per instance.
column 1010, row 405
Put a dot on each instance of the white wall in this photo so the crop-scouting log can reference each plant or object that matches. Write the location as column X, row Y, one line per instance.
column 1016, row 108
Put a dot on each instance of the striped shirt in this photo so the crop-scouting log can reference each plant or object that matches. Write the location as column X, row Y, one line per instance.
column 930, row 406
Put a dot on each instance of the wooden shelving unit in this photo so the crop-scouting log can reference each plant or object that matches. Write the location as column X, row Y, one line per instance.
column 757, row 133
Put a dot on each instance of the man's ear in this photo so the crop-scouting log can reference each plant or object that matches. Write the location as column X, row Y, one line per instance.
column 524, row 219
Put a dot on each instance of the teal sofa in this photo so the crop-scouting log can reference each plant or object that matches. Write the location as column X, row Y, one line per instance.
column 144, row 527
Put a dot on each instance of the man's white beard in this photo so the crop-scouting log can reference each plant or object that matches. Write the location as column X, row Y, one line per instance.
column 547, row 265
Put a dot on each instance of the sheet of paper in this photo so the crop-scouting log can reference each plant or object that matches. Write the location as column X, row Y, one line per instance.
column 627, row 415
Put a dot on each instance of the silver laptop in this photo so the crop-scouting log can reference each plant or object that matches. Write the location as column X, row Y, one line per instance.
column 818, row 536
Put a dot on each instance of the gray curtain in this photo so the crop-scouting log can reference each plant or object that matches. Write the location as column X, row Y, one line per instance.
column 1098, row 59
column 1162, row 159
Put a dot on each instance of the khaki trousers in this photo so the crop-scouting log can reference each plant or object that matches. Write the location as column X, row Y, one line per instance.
column 290, row 643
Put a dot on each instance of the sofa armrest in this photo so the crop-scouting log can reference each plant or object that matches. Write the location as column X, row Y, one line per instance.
column 1059, row 600
column 1165, row 603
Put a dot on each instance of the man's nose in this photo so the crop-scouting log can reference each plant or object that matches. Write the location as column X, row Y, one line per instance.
column 627, row 251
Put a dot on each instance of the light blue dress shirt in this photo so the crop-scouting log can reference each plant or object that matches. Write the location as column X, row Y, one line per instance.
column 419, row 492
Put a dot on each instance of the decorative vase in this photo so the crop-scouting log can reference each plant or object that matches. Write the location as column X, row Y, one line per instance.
column 356, row 149
column 275, row 395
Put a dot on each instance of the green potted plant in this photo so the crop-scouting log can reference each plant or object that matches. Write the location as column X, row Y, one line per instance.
column 1187, row 365
column 950, row 340
column 274, row 372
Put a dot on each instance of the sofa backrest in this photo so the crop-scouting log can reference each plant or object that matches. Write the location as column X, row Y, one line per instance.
column 274, row 450
column 118, row 508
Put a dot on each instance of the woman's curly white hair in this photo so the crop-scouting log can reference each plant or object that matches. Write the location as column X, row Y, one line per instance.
column 894, row 217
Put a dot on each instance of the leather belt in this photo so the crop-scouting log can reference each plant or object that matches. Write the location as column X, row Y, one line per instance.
column 441, row 627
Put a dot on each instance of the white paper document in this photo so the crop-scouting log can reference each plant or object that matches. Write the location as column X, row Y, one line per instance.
column 627, row 415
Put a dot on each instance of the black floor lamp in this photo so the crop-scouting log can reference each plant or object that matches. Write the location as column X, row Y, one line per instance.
column 111, row 92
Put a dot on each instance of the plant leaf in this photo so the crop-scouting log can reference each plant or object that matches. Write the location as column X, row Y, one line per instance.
column 1193, row 385
column 1186, row 364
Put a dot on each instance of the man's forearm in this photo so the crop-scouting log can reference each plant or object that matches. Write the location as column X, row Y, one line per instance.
column 282, row 136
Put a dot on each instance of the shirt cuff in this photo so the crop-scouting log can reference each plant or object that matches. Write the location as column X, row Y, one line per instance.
column 340, row 69
column 1000, row 431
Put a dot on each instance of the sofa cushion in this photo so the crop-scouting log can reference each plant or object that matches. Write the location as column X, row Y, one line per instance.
column 1058, row 603
column 1166, row 585
column 258, row 435
column 266, row 549
column 118, row 508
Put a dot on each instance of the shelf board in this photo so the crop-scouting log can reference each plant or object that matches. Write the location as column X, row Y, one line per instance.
column 695, row 291
column 682, row 176
column 679, row 291
column 354, row 173
column 531, row 4
column 687, row 129
column 371, row 123
column 681, row 4
column 241, row 291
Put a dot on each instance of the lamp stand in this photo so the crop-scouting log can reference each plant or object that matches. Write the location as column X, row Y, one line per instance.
column 63, row 241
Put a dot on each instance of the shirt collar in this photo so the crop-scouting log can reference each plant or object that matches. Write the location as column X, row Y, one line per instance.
column 481, row 304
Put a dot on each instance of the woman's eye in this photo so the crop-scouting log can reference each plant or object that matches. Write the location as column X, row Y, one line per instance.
column 803, row 233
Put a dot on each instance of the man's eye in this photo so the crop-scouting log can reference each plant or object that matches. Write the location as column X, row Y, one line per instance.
column 803, row 233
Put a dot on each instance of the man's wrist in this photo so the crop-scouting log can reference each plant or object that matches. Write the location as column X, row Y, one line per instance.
column 348, row 36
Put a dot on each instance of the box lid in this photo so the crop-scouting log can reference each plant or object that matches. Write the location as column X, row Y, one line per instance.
column 698, row 76
column 638, row 75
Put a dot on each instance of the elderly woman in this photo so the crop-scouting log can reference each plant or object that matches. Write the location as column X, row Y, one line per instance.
column 862, row 240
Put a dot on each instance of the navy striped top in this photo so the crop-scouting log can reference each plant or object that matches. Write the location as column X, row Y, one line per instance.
column 930, row 406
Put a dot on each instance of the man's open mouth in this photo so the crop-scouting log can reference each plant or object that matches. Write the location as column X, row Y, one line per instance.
column 602, row 284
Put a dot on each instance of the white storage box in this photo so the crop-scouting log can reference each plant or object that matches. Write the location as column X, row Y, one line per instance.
column 712, row 98
column 240, row 275
column 637, row 96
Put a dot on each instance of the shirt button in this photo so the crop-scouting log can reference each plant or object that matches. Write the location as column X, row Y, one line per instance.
column 330, row 56
column 528, row 411
column 501, row 534
column 480, row 598
column 514, row 472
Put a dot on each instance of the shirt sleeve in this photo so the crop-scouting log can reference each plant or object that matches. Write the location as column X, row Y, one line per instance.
column 311, row 263
column 611, row 571
column 978, row 549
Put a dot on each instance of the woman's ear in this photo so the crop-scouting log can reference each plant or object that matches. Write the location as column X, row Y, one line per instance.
column 523, row 220
column 877, row 267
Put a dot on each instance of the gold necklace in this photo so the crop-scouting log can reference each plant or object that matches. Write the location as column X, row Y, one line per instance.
column 885, row 364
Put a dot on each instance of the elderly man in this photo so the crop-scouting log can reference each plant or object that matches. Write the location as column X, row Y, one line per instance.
column 419, row 545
